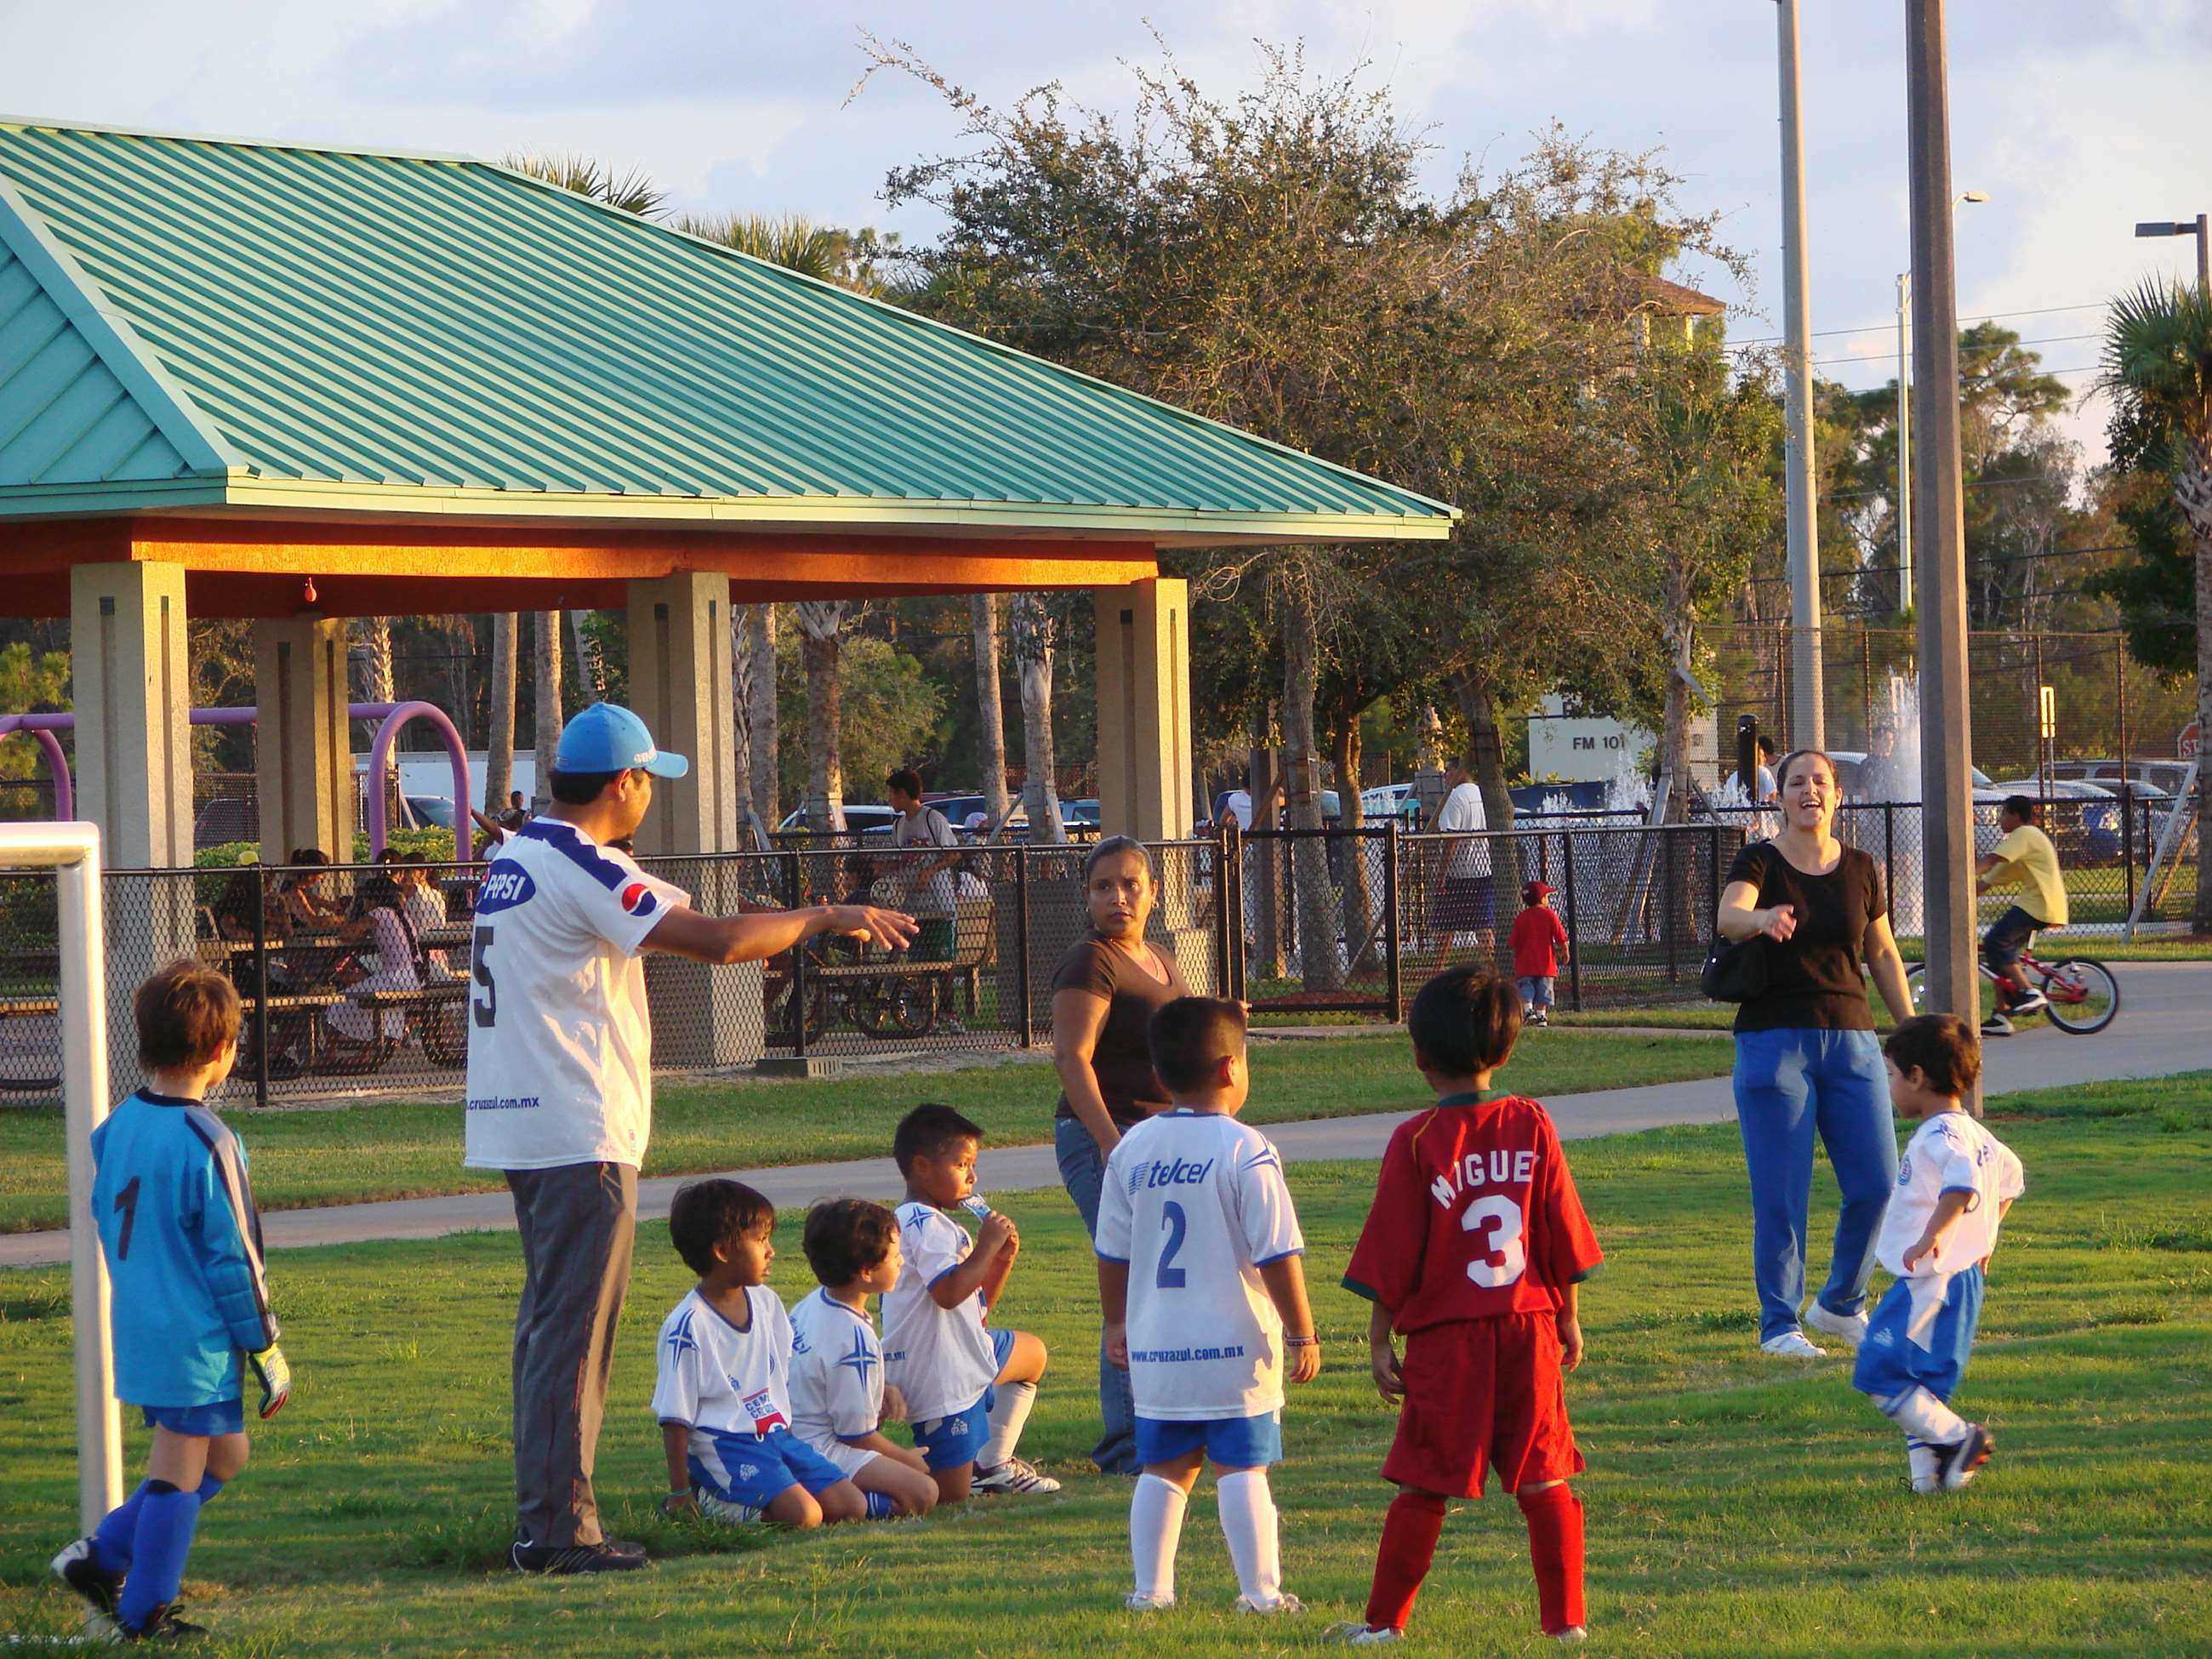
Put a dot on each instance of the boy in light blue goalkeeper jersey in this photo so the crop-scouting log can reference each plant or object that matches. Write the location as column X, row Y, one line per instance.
column 190, row 1312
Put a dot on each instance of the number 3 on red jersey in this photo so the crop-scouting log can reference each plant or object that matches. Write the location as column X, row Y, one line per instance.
column 1505, row 1257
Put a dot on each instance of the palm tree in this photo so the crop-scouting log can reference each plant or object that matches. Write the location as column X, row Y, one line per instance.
column 2158, row 369
column 990, row 712
column 499, row 757
column 822, row 621
column 632, row 191
column 789, row 239
column 546, row 714
column 1033, row 629
column 761, row 713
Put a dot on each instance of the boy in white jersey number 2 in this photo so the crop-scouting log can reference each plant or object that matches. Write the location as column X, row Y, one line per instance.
column 1198, row 1274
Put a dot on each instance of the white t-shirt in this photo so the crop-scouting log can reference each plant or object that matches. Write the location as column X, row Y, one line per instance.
column 934, row 896
column 1949, row 1152
column 1461, row 813
column 836, row 1372
column 560, row 1043
column 940, row 1359
column 1196, row 1204
column 717, row 1379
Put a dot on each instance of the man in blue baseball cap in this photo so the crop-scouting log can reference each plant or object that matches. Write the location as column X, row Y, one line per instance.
column 560, row 1092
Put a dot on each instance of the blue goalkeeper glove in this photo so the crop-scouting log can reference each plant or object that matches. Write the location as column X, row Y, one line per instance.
column 274, row 1373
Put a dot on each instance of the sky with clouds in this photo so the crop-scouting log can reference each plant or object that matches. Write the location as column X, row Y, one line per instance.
column 2077, row 118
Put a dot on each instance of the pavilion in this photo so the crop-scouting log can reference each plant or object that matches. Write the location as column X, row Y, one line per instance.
column 300, row 384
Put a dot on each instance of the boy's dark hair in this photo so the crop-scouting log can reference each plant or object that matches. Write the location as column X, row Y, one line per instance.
column 186, row 1014
column 1765, row 745
column 1465, row 1020
column 705, row 1213
column 1190, row 1037
column 906, row 781
column 1945, row 1049
column 2022, row 807
column 579, row 788
column 930, row 1131
column 846, row 1236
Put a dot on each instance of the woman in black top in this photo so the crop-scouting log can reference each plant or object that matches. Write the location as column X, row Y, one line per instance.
column 1807, row 1059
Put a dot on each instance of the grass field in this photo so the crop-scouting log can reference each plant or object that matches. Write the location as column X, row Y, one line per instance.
column 1736, row 1505
column 409, row 1149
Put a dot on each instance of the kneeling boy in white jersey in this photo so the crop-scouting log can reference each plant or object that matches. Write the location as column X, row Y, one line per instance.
column 725, row 1357
column 1955, row 1184
column 838, row 1396
column 1198, row 1274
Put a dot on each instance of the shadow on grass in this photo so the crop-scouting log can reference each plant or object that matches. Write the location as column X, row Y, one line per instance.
column 477, row 1540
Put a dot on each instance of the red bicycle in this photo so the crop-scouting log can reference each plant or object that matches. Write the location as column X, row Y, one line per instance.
column 2081, row 994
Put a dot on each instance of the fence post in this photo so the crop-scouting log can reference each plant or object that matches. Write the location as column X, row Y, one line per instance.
column 1713, row 877
column 1889, row 853
column 798, row 961
column 2128, row 845
column 1672, row 910
column 1233, row 872
column 260, row 987
column 1395, row 993
column 1022, row 945
column 1223, row 976
column 1574, row 929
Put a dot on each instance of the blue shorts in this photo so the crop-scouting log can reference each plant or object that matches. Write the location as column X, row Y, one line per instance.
column 224, row 1416
column 1233, row 1443
column 946, row 1442
column 740, row 1469
column 1920, row 1336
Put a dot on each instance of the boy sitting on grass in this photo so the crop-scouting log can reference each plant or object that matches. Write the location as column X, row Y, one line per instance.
column 724, row 1360
column 1198, row 1274
column 968, row 1386
column 1474, row 1252
column 1955, row 1184
column 839, row 1401
column 183, row 1243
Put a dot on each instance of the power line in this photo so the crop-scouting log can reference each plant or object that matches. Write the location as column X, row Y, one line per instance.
column 1890, row 326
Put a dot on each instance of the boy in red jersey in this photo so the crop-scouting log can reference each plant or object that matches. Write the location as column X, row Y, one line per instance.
column 1472, row 1252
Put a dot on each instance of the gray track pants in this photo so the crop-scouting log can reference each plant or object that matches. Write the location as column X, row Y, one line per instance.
column 577, row 1224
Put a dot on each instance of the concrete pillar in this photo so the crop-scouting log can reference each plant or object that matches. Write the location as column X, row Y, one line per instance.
column 134, row 773
column 1144, row 709
column 679, row 685
column 303, row 742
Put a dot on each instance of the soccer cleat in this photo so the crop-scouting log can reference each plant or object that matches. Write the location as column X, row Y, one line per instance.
column 1851, row 1327
column 1958, row 1462
column 1540, row 1018
column 1362, row 1635
column 1138, row 1602
column 1997, row 1025
column 79, row 1568
column 1920, row 1459
column 1570, row 1636
column 2030, row 1002
column 1284, row 1602
column 561, row 1560
column 1792, row 1344
column 1016, row 1474
column 725, row 1510
column 161, row 1624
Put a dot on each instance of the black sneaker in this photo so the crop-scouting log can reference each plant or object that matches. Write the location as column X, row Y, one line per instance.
column 607, row 1555
column 78, row 1567
column 161, row 1624
column 1956, row 1463
column 1997, row 1025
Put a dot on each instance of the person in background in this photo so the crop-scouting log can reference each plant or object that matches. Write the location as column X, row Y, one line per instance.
column 927, row 879
column 304, row 896
column 379, row 922
column 1539, row 940
column 2025, row 859
column 1762, row 790
column 1461, row 907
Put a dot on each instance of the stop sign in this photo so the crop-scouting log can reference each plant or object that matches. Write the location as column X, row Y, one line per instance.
column 2191, row 734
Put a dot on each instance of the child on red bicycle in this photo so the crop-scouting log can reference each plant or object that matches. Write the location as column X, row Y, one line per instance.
column 2025, row 858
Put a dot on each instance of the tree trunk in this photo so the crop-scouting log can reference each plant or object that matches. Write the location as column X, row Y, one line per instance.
column 372, row 647
column 1362, row 867
column 1319, row 968
column 2193, row 492
column 499, row 756
column 546, row 713
column 991, row 715
column 460, row 693
column 591, row 668
column 741, row 715
column 1032, row 627
column 822, row 622
column 759, row 650
column 1477, row 705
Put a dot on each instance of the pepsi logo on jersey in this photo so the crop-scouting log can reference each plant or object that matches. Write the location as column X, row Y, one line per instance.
column 505, row 887
column 638, row 900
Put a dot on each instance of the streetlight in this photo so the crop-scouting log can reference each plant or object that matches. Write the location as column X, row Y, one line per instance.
column 1904, row 422
column 2197, row 227
column 1808, row 716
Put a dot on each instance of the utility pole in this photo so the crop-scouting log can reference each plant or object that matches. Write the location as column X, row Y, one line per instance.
column 1807, row 722
column 1946, row 735
column 2200, row 228
column 1904, row 440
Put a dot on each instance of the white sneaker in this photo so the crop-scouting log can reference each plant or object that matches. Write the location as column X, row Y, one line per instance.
column 1570, row 1636
column 2031, row 1002
column 1016, row 1474
column 1792, row 1344
column 722, row 1509
column 1362, row 1635
column 1286, row 1602
column 1141, row 1603
column 1851, row 1327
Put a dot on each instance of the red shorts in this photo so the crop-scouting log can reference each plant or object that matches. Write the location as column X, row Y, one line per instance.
column 1483, row 1391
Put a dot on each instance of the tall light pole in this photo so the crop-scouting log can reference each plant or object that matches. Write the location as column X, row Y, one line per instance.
column 1904, row 426
column 2200, row 228
column 1946, row 732
column 1807, row 715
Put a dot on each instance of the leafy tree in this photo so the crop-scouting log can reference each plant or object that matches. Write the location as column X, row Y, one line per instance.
column 888, row 709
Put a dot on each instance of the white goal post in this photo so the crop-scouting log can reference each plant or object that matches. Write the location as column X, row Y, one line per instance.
column 71, row 851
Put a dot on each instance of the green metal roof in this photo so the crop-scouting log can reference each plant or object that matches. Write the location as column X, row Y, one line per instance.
column 194, row 321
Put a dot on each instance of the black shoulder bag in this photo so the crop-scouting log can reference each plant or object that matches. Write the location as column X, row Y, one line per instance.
column 1735, row 970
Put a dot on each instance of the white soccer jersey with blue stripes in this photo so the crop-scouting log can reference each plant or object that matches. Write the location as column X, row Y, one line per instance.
column 1196, row 1204
column 560, row 1044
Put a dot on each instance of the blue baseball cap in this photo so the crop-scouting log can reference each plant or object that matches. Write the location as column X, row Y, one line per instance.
column 608, row 737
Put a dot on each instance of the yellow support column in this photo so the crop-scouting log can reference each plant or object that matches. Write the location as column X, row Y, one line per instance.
column 303, row 739
column 1144, row 709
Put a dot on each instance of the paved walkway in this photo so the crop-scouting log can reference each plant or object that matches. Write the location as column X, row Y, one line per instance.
column 2165, row 1026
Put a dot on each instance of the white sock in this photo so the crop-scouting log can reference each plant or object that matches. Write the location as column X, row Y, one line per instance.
column 1009, row 1412
column 1155, row 1529
column 1920, row 1458
column 1247, row 1521
column 1922, row 1416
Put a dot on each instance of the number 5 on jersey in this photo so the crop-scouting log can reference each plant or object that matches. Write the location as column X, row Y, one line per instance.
column 485, row 1007
column 1505, row 1257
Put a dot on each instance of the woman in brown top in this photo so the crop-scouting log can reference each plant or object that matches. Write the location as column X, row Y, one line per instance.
column 1103, row 995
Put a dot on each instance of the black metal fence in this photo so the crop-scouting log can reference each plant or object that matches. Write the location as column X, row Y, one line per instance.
column 356, row 979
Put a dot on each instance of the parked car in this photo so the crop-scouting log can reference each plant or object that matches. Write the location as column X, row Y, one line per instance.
column 2148, row 779
column 436, row 811
column 859, row 820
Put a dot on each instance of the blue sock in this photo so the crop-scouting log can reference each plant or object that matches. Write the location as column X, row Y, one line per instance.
column 210, row 1486
column 111, row 1542
column 881, row 1506
column 159, row 1545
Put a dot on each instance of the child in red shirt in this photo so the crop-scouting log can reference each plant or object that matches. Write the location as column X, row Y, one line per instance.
column 1473, row 1251
column 1538, row 936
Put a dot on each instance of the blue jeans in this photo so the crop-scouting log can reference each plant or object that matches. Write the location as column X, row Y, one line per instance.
column 1083, row 1172
column 1789, row 1084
